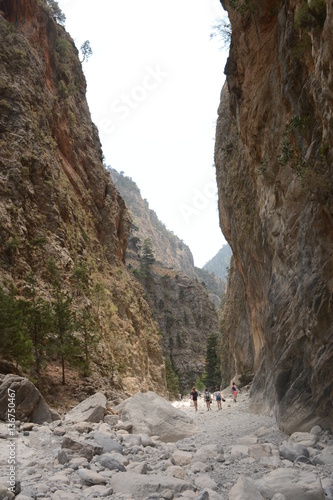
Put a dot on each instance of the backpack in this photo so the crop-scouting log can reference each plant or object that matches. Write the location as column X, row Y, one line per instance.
column 207, row 396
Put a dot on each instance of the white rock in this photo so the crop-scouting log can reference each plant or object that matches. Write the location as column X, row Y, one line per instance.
column 97, row 491
column 124, row 426
column 131, row 440
column 248, row 440
column 91, row 477
column 188, row 494
column 82, row 427
column 63, row 495
column 303, row 438
column 200, row 467
column 316, row 430
column 138, row 467
column 293, row 483
column 239, row 450
column 176, row 471
column 4, row 492
column 153, row 415
column 327, row 485
column 244, row 489
column 205, row 481
column 325, row 457
column 92, row 409
column 140, row 486
column 59, row 478
column 212, row 495
column 258, row 451
column 181, row 458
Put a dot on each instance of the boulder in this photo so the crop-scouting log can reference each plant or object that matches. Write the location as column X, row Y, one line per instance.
column 153, row 415
column 244, row 488
column 82, row 449
column 325, row 457
column 142, row 485
column 91, row 477
column 292, row 483
column 306, row 439
column 290, row 450
column 105, row 441
column 92, row 409
column 29, row 403
column 108, row 461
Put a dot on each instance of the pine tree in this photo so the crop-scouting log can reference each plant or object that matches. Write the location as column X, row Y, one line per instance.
column 147, row 260
column 86, row 325
column 66, row 346
column 212, row 375
column 80, row 277
column 172, row 380
column 57, row 13
column 14, row 343
column 38, row 322
column 86, row 51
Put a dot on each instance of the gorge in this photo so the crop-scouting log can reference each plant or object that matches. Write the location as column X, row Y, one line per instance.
column 63, row 222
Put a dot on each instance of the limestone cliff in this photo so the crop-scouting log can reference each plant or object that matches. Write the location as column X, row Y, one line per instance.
column 219, row 264
column 274, row 172
column 170, row 251
column 58, row 205
column 183, row 298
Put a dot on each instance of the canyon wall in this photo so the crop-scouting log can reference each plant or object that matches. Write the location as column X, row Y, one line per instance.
column 183, row 298
column 59, row 209
column 274, row 171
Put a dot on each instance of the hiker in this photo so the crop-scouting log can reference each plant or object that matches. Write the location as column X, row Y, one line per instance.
column 194, row 397
column 218, row 397
column 234, row 392
column 207, row 399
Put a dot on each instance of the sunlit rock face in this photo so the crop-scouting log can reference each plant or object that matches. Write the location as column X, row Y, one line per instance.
column 274, row 172
column 58, row 204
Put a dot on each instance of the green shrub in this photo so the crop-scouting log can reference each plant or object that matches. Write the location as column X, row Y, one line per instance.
column 63, row 48
column 311, row 15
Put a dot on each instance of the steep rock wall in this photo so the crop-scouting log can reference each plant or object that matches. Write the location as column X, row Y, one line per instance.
column 187, row 317
column 58, row 205
column 181, row 296
column 274, row 172
column 169, row 250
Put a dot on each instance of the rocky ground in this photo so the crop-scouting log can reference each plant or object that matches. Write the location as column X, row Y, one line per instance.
column 151, row 450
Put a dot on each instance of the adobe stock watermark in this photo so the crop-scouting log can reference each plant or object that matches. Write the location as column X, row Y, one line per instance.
column 201, row 199
column 122, row 107
column 11, row 446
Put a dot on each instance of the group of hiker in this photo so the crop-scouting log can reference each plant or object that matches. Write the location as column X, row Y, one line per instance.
column 208, row 397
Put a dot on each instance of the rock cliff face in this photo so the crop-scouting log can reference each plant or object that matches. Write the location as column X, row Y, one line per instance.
column 187, row 317
column 58, row 205
column 181, row 296
column 274, row 172
column 169, row 250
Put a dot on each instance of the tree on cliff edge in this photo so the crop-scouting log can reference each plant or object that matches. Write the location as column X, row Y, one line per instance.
column 57, row 13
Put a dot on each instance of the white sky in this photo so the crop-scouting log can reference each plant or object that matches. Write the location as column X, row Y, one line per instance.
column 154, row 83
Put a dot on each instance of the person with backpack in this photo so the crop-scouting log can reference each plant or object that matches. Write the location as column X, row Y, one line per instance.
column 207, row 399
column 218, row 397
